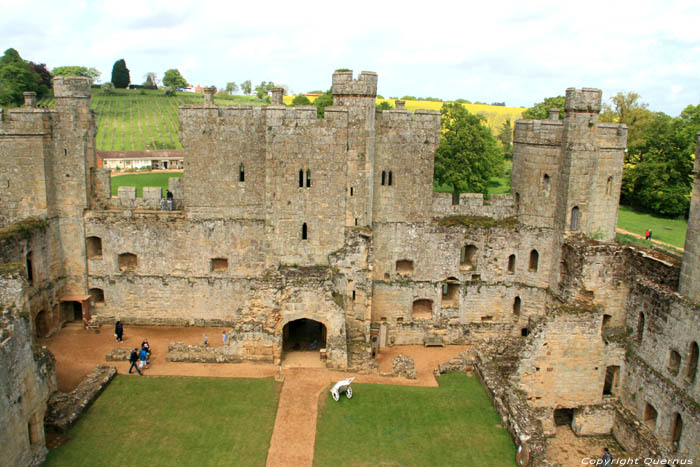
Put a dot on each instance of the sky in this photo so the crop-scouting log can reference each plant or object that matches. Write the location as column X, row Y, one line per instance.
column 513, row 51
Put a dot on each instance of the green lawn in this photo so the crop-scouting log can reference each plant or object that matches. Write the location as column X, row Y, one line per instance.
column 454, row 424
column 140, row 180
column 166, row 421
column 670, row 231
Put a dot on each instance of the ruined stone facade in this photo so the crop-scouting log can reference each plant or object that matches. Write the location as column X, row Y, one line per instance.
column 282, row 217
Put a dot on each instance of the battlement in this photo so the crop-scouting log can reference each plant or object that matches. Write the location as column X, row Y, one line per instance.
column 25, row 121
column 583, row 100
column 71, row 86
column 364, row 85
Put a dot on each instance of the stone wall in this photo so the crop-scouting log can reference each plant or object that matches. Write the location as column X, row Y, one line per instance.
column 474, row 205
column 27, row 377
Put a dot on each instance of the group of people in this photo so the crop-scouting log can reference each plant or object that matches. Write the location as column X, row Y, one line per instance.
column 141, row 357
column 167, row 201
column 647, row 234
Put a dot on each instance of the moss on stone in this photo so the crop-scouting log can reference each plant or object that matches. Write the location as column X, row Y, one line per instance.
column 473, row 221
column 23, row 229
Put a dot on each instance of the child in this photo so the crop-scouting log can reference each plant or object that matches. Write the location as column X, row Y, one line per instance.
column 223, row 337
column 205, row 341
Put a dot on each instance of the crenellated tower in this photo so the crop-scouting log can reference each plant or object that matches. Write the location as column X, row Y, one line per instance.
column 359, row 96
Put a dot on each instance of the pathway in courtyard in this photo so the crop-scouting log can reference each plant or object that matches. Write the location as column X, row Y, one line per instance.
column 627, row 232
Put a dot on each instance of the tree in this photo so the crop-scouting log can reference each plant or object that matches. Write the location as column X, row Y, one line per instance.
column 174, row 79
column 505, row 137
column 45, row 75
column 468, row 155
column 16, row 77
column 384, row 105
column 300, row 100
column 540, row 111
column 263, row 89
column 322, row 102
column 151, row 80
column 246, row 87
column 75, row 70
column 231, row 87
column 120, row 74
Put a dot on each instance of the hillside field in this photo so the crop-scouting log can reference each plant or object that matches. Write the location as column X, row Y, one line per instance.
column 140, row 119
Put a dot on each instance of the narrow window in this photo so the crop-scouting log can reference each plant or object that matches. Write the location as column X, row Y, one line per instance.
column 640, row 327
column 356, row 221
column 308, row 178
column 650, row 415
column 390, row 178
column 606, row 321
column 383, row 177
column 304, row 233
column 516, row 306
column 608, row 186
column 674, row 362
column 468, row 256
column 546, row 184
column 301, row 178
column 611, row 374
column 517, row 202
column 30, row 268
column 353, row 295
column 676, row 431
column 693, row 362
column 351, row 191
column 534, row 260
column 574, row 218
column 241, row 173
column 94, row 247
column 511, row 264
column 524, row 332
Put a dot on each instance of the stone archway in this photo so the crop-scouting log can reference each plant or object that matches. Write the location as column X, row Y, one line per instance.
column 297, row 330
column 304, row 335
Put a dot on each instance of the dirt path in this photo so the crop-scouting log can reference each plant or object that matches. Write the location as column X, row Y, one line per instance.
column 569, row 450
column 627, row 232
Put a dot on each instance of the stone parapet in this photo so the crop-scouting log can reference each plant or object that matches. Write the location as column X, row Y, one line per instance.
column 475, row 205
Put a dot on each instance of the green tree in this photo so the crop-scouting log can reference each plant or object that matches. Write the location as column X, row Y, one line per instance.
column 151, row 80
column 385, row 105
column 468, row 155
column 540, row 111
column 322, row 102
column 45, row 75
column 300, row 100
column 505, row 137
column 172, row 78
column 231, row 88
column 263, row 89
column 75, row 70
column 120, row 74
column 246, row 87
column 16, row 77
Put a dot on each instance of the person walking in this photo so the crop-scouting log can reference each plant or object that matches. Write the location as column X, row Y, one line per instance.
column 607, row 458
column 646, row 234
column 223, row 337
column 169, row 195
column 143, row 362
column 206, row 342
column 133, row 358
column 118, row 331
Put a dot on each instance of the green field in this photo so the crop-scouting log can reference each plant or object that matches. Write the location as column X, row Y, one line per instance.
column 454, row 424
column 140, row 180
column 136, row 120
column 670, row 231
column 164, row 421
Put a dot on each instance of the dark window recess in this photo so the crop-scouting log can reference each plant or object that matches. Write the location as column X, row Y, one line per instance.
column 383, row 177
column 30, row 268
column 308, row 178
column 534, row 260
column 511, row 264
column 390, row 178
column 351, row 191
column 94, row 247
column 301, row 178
column 304, row 232
column 241, row 173
column 353, row 295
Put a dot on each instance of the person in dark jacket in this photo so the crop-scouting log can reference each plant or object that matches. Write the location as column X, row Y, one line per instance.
column 134, row 358
column 119, row 331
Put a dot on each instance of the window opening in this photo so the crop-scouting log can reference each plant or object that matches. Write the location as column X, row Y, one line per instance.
column 30, row 268
column 241, row 173
column 390, row 178
column 574, row 218
column 94, row 247
column 511, row 264
column 534, row 260
column 304, row 232
column 301, row 178
column 308, row 178
column 383, row 177
column 693, row 362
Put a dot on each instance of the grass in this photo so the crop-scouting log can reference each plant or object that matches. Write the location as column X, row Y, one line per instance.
column 454, row 424
column 140, row 180
column 671, row 231
column 163, row 421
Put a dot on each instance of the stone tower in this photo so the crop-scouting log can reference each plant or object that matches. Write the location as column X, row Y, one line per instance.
column 69, row 173
column 690, row 268
column 360, row 97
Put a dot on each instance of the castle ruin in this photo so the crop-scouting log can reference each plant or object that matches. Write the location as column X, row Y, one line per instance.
column 288, row 227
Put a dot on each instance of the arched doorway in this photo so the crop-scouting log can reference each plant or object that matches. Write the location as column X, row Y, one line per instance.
column 303, row 335
column 41, row 325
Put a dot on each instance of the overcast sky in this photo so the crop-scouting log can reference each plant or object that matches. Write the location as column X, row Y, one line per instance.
column 517, row 52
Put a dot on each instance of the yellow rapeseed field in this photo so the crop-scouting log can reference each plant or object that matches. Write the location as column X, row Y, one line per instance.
column 495, row 115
